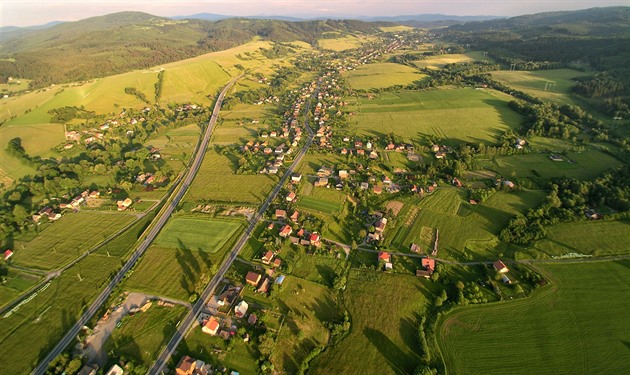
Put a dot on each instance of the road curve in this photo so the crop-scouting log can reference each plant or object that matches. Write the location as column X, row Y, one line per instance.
column 161, row 220
column 187, row 323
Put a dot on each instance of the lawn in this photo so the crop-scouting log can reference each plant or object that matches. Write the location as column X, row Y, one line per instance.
column 533, row 82
column 141, row 336
column 560, row 329
column 31, row 332
column 598, row 238
column 454, row 115
column 382, row 75
column 199, row 234
column 384, row 311
column 216, row 182
column 69, row 237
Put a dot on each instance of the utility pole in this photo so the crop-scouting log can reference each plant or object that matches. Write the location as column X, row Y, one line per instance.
column 512, row 67
column 550, row 84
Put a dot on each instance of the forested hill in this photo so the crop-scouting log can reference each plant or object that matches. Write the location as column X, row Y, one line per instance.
column 607, row 21
column 120, row 42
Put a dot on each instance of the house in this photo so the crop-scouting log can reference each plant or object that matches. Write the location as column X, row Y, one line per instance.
column 264, row 286
column 123, row 205
column 252, row 278
column 296, row 178
column 115, row 370
column 270, row 226
column 241, row 309
column 291, row 197
column 277, row 262
column 556, row 158
column 186, row 366
column 435, row 148
column 343, row 174
column 387, row 180
column 440, row 155
column 592, row 214
column 314, row 239
column 457, row 182
column 380, row 225
column 294, row 240
column 8, row 254
column 322, row 181
column 87, row 370
column 324, row 171
column 384, row 257
column 286, row 231
column 508, row 184
column 428, row 264
column 500, row 266
column 378, row 190
column 281, row 214
column 211, row 326
column 364, row 186
column 294, row 216
column 252, row 319
column 267, row 257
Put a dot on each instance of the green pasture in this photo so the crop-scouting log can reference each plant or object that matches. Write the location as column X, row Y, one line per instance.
column 199, row 234
column 453, row 115
column 68, row 238
column 439, row 61
column 17, row 283
column 141, row 337
column 384, row 310
column 192, row 81
column 216, row 182
column 534, row 82
column 577, row 325
column 465, row 231
column 382, row 75
column 597, row 238
column 318, row 204
column 51, row 313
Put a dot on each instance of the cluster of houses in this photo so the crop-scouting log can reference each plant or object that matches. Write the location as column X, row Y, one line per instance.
column 379, row 228
column 76, row 202
column 440, row 151
column 191, row 366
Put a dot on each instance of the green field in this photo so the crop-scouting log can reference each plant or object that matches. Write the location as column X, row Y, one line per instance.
column 177, row 145
column 69, row 237
column 383, row 338
column 14, row 86
column 216, row 182
column 454, row 115
column 141, row 336
column 465, row 231
column 533, row 82
column 597, row 238
column 578, row 325
column 439, row 61
column 17, row 283
column 327, row 201
column 342, row 43
column 382, row 75
column 198, row 234
column 48, row 316
column 192, row 81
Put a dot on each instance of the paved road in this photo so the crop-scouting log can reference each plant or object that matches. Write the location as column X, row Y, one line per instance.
column 185, row 325
column 158, row 224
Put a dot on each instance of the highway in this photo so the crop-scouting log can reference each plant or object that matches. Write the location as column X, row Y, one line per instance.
column 157, row 226
column 187, row 323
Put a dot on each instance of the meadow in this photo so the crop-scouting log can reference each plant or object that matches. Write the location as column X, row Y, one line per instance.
column 596, row 238
column 384, row 310
column 344, row 43
column 534, row 82
column 453, row 115
column 196, row 233
column 17, row 283
column 465, row 231
column 69, row 237
column 141, row 336
column 216, row 182
column 439, row 61
column 382, row 75
column 51, row 313
column 559, row 329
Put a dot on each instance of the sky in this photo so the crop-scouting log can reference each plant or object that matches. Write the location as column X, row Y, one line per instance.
column 29, row 12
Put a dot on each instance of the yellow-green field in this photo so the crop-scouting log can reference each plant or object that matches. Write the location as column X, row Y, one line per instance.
column 382, row 75
column 14, row 86
column 454, row 115
column 438, row 61
column 394, row 29
column 578, row 325
column 344, row 43
column 533, row 82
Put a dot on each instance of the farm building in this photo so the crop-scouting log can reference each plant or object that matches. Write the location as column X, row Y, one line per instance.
column 500, row 267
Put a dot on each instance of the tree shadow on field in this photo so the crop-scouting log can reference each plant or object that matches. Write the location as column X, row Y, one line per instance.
column 502, row 108
column 388, row 349
column 626, row 343
column 189, row 265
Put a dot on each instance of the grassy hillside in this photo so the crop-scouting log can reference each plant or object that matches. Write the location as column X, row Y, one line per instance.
column 561, row 329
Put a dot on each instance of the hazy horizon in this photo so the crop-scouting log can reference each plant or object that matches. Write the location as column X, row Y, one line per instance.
column 38, row 12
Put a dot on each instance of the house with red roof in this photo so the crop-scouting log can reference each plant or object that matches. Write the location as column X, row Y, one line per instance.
column 286, row 231
column 211, row 326
column 500, row 267
column 252, row 278
column 429, row 264
column 281, row 214
column 294, row 216
column 268, row 257
column 291, row 197
column 384, row 257
column 314, row 239
column 8, row 254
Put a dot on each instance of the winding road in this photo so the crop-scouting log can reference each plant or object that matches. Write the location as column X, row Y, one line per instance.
column 157, row 226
